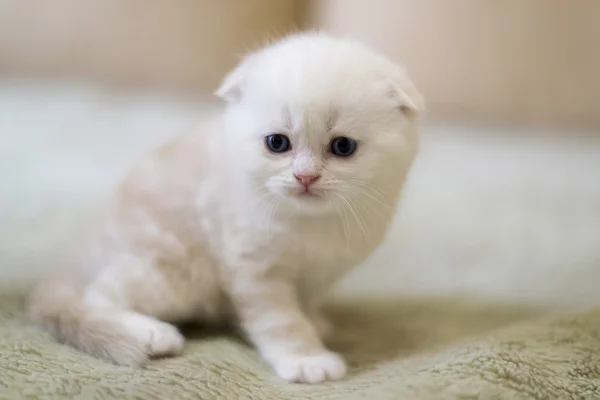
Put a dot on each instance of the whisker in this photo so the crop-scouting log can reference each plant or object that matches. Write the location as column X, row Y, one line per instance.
column 368, row 207
column 272, row 211
column 363, row 183
column 344, row 218
column 366, row 203
column 362, row 221
column 369, row 192
column 260, row 199
column 381, row 196
column 358, row 219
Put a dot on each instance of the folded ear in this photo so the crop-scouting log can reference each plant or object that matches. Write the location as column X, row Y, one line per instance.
column 232, row 86
column 404, row 92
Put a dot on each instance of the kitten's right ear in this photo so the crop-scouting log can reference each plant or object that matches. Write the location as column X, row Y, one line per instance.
column 232, row 86
column 409, row 100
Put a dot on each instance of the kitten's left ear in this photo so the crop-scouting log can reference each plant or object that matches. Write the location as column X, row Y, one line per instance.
column 232, row 86
column 409, row 99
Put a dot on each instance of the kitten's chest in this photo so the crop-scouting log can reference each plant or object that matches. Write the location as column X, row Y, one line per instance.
column 323, row 256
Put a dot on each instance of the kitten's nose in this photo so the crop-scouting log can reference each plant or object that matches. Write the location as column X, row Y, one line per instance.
column 307, row 180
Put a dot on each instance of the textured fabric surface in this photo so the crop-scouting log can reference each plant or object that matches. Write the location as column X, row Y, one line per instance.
column 396, row 349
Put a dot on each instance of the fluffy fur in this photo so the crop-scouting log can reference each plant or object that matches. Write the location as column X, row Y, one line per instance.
column 213, row 227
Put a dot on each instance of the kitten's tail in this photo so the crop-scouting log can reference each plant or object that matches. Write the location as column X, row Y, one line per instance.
column 105, row 333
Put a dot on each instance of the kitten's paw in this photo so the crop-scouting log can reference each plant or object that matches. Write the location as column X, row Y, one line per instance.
column 311, row 369
column 158, row 338
column 165, row 341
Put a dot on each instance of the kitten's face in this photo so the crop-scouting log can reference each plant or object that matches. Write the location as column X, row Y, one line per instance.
column 319, row 140
column 315, row 159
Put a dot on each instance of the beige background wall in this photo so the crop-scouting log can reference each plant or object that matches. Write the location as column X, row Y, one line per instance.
column 181, row 44
column 532, row 61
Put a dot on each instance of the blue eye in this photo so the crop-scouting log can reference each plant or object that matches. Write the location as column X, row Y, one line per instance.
column 278, row 143
column 343, row 146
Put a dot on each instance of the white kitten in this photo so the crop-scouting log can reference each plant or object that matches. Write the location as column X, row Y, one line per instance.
column 251, row 219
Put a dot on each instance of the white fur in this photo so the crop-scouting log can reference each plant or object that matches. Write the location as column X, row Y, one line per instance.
column 211, row 226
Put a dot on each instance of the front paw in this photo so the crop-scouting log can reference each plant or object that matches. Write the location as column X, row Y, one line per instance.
column 311, row 369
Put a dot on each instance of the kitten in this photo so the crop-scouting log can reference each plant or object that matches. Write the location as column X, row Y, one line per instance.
column 252, row 218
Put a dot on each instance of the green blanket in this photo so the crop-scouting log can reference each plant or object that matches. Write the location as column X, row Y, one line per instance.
column 431, row 349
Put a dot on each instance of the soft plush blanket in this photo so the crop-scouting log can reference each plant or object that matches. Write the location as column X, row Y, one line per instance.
column 485, row 289
column 396, row 349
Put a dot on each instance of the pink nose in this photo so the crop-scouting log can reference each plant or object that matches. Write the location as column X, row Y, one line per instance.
column 307, row 180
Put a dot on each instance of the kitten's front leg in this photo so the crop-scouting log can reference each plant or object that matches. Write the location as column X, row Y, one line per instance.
column 273, row 319
column 321, row 322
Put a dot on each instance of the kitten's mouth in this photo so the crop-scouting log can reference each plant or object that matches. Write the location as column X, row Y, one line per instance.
column 307, row 193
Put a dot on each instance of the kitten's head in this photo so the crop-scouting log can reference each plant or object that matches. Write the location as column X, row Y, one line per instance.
column 320, row 124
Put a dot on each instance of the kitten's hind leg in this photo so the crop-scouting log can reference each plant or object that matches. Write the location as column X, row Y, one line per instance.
column 154, row 337
column 120, row 335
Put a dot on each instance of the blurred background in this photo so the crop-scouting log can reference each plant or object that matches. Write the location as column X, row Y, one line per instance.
column 517, row 61
column 504, row 201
